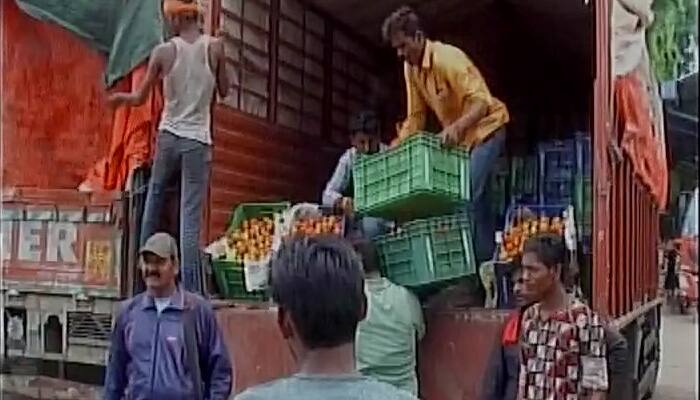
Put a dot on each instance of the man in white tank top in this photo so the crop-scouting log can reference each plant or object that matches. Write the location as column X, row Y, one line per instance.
column 191, row 66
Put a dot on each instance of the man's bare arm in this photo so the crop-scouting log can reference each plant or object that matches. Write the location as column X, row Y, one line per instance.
column 153, row 73
column 222, row 80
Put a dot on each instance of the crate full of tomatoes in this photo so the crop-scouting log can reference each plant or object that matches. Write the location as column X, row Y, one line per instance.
column 312, row 220
column 523, row 222
column 249, row 240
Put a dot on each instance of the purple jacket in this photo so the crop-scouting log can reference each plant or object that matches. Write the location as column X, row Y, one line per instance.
column 147, row 359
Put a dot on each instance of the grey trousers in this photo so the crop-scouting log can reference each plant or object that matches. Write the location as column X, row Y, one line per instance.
column 193, row 160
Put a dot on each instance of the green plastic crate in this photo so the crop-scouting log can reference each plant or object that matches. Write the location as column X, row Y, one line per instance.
column 229, row 274
column 425, row 253
column 231, row 281
column 418, row 179
column 246, row 211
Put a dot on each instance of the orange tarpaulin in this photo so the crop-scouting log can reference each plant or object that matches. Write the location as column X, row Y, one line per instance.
column 638, row 137
column 133, row 130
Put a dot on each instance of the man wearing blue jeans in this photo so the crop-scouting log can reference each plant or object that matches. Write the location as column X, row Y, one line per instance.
column 442, row 79
column 191, row 66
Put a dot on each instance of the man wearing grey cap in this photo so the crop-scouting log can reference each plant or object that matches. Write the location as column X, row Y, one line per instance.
column 365, row 138
column 166, row 343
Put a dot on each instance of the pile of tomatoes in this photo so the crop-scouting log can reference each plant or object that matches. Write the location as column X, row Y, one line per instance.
column 252, row 241
column 326, row 225
column 522, row 229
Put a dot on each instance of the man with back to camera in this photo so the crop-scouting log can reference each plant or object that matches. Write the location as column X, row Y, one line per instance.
column 387, row 339
column 317, row 284
column 441, row 78
column 192, row 66
column 364, row 135
column 166, row 342
column 503, row 371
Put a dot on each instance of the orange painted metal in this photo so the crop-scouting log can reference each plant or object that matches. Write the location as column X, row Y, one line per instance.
column 60, row 241
column 603, row 276
column 55, row 119
column 626, row 222
column 452, row 357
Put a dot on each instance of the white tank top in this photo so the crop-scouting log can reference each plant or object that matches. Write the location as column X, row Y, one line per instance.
column 188, row 89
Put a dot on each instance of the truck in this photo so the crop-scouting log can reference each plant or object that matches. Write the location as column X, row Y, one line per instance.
column 300, row 68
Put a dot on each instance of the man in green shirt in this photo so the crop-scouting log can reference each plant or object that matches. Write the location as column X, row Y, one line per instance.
column 386, row 340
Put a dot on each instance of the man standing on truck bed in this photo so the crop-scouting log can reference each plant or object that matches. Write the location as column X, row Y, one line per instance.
column 441, row 78
column 166, row 343
column 191, row 65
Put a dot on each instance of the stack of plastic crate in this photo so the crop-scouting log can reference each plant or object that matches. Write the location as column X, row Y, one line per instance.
column 565, row 171
column 423, row 186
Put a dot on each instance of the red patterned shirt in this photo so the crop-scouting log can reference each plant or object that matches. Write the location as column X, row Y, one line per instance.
column 563, row 355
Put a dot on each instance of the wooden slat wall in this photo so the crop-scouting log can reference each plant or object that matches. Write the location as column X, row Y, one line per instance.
column 257, row 161
column 257, row 155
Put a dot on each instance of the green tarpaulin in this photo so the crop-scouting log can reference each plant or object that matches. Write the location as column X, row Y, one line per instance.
column 124, row 30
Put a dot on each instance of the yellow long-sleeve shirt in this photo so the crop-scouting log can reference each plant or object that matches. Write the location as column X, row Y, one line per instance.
column 445, row 82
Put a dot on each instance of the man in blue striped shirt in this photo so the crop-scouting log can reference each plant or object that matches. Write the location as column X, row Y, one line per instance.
column 364, row 139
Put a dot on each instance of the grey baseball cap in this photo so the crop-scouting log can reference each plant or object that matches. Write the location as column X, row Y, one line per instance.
column 161, row 244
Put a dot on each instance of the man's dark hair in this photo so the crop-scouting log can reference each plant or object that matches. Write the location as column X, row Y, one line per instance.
column 319, row 282
column 364, row 121
column 404, row 20
column 550, row 250
column 368, row 254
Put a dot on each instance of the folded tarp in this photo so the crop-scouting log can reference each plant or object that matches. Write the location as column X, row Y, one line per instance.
column 124, row 30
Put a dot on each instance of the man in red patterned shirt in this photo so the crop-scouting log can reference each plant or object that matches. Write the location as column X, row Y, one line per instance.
column 563, row 350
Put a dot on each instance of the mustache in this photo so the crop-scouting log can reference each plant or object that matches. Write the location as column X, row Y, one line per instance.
column 151, row 273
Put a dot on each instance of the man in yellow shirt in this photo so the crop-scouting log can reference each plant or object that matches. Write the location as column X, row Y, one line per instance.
column 442, row 79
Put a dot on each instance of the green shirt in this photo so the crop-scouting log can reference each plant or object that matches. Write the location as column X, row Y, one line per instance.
column 386, row 341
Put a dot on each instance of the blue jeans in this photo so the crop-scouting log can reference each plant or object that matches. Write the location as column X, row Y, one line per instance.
column 482, row 159
column 192, row 159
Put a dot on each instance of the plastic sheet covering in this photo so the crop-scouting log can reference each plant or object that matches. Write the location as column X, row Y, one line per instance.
column 125, row 31
column 638, row 136
column 131, row 138
column 629, row 41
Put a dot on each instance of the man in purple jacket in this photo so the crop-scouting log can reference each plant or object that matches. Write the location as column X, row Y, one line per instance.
column 166, row 343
